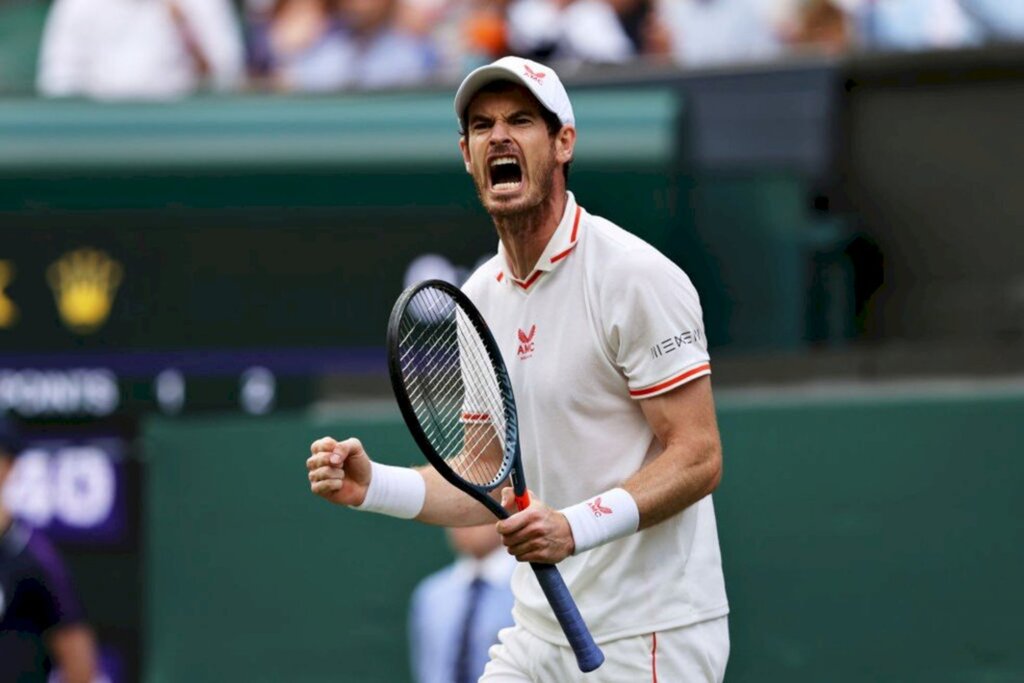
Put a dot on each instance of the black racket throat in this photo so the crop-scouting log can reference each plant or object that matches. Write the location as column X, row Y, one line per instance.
column 453, row 390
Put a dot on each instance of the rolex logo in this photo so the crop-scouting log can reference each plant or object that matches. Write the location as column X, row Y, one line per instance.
column 84, row 283
column 8, row 311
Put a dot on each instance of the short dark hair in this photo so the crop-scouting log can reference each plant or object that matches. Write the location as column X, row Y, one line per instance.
column 551, row 120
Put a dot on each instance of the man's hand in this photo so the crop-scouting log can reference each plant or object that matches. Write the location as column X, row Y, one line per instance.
column 537, row 534
column 339, row 471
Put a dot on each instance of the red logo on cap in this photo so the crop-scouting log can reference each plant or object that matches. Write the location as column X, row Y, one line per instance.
column 535, row 75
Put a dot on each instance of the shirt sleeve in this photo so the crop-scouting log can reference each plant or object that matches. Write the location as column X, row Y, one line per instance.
column 653, row 322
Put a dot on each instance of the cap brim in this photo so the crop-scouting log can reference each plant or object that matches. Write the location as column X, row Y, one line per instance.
column 478, row 79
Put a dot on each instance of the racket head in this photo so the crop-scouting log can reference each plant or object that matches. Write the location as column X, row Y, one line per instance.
column 453, row 389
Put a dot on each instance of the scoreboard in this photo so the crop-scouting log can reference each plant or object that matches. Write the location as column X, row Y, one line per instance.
column 151, row 315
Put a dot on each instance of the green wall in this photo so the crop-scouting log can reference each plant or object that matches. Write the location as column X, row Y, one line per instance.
column 873, row 537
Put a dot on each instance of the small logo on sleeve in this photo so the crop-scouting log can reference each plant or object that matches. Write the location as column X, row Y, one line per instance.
column 526, row 345
column 598, row 509
column 676, row 342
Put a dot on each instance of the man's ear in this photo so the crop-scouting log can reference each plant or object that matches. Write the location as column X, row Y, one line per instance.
column 464, row 148
column 565, row 144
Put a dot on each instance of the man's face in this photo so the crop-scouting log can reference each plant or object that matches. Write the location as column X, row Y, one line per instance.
column 509, row 152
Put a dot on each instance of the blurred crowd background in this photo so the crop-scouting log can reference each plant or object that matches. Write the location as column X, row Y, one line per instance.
column 168, row 48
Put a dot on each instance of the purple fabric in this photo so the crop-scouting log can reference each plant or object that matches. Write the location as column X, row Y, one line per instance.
column 37, row 596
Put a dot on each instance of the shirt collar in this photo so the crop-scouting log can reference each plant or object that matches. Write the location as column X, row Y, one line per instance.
column 561, row 244
column 496, row 569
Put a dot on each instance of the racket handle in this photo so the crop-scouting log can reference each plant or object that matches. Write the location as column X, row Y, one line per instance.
column 588, row 654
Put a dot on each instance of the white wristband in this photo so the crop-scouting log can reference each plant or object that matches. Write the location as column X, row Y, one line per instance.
column 395, row 491
column 603, row 518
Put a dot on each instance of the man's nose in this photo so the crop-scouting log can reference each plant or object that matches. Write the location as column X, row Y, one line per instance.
column 499, row 132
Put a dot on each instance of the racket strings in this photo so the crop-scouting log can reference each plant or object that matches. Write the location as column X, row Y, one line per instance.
column 451, row 382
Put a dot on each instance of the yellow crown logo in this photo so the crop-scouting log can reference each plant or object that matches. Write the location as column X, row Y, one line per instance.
column 84, row 283
column 8, row 311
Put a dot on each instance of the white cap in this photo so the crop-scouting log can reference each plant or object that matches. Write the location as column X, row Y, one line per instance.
column 540, row 80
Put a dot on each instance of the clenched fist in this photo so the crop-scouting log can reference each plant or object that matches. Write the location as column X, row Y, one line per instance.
column 339, row 471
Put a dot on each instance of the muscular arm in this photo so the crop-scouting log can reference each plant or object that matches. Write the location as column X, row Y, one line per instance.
column 74, row 652
column 445, row 505
column 690, row 467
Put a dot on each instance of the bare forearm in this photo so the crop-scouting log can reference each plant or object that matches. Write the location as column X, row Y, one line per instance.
column 684, row 473
column 74, row 652
column 446, row 505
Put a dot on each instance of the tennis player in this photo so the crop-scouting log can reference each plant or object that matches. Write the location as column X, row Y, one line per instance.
column 604, row 341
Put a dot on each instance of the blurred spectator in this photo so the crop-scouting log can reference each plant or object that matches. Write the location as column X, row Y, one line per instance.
column 42, row 626
column 599, row 31
column 150, row 49
column 298, row 45
column 708, row 32
column 378, row 51
column 820, row 25
column 456, row 613
column 996, row 19
column 910, row 24
column 467, row 33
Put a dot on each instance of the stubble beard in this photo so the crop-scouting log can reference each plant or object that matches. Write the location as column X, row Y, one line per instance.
column 525, row 215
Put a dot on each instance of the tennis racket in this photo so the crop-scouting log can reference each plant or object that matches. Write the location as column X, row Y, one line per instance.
column 456, row 397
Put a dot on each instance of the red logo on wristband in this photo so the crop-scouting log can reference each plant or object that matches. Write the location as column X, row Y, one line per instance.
column 598, row 509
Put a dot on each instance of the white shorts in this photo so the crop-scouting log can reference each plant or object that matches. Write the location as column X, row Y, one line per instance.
column 691, row 654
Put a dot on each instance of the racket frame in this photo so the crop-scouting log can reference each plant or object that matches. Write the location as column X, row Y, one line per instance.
column 588, row 654
column 512, row 461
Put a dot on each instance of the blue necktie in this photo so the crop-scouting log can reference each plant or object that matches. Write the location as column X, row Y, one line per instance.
column 464, row 672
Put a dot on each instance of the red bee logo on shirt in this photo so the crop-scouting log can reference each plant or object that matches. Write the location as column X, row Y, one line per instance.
column 535, row 75
column 526, row 343
column 598, row 509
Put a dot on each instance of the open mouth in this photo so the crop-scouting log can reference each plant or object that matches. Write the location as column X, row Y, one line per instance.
column 506, row 174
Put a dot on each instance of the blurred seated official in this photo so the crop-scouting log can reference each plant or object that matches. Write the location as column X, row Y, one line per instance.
column 42, row 625
column 456, row 612
column 139, row 49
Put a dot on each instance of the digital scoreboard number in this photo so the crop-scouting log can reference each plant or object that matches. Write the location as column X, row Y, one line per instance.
column 80, row 486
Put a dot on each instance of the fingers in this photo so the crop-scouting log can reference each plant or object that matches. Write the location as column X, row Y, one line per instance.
column 537, row 534
column 328, row 452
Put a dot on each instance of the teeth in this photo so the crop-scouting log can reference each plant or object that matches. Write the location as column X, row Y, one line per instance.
column 506, row 186
column 502, row 161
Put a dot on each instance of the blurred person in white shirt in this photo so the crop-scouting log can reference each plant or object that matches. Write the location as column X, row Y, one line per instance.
column 712, row 32
column 595, row 31
column 910, row 24
column 139, row 49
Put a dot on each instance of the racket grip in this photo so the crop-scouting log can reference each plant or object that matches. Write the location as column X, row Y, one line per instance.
column 588, row 654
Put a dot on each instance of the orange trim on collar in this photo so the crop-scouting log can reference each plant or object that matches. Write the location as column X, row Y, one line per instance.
column 533, row 278
column 575, row 229
column 558, row 257
column 501, row 276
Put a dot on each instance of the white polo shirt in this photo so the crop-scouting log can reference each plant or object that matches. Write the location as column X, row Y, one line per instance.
column 605, row 319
